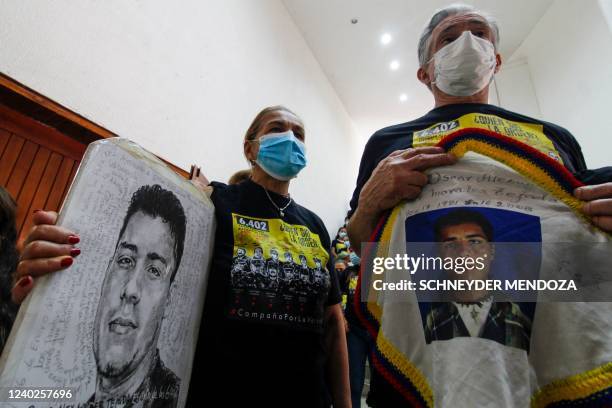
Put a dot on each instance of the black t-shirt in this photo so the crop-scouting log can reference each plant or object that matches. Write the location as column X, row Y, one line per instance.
column 549, row 138
column 429, row 129
column 338, row 246
column 334, row 243
column 261, row 341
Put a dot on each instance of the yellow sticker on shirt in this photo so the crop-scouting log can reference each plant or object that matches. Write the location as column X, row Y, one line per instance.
column 274, row 236
column 278, row 273
column 528, row 133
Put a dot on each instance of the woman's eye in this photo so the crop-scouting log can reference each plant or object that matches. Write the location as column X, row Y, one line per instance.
column 479, row 34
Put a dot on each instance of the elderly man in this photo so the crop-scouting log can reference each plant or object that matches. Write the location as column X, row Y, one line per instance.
column 458, row 57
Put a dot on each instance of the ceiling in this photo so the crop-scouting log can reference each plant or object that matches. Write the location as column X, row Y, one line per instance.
column 357, row 64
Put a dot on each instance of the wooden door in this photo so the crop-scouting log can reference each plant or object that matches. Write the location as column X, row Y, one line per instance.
column 37, row 164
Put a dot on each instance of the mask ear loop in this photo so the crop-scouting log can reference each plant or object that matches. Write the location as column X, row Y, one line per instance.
column 429, row 61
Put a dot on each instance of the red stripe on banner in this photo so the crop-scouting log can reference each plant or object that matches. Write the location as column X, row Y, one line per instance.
column 357, row 304
column 558, row 167
column 390, row 378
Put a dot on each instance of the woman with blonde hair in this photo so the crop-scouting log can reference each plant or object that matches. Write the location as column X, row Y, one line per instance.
column 273, row 332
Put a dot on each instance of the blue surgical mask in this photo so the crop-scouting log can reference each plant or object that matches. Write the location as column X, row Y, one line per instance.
column 281, row 155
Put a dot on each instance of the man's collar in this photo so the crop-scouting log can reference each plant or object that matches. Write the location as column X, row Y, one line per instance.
column 466, row 105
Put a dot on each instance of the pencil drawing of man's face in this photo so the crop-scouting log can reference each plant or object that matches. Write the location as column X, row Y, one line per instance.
column 134, row 296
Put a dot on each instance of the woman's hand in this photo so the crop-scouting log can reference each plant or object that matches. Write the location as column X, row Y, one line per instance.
column 47, row 248
column 199, row 180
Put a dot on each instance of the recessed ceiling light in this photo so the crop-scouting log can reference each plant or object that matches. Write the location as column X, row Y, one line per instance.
column 394, row 65
column 385, row 38
column 403, row 98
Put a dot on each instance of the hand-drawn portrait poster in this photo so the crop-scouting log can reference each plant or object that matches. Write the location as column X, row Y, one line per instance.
column 118, row 327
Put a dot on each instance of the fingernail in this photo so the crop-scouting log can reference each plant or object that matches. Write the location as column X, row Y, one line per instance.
column 73, row 239
column 66, row 262
column 25, row 281
column 35, row 211
column 75, row 252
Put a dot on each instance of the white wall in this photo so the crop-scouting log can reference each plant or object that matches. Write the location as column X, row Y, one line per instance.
column 606, row 7
column 185, row 79
column 569, row 59
column 515, row 89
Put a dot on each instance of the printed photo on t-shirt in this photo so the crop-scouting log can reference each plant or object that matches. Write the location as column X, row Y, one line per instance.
column 278, row 273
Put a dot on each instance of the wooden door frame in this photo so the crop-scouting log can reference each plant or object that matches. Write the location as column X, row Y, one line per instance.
column 28, row 102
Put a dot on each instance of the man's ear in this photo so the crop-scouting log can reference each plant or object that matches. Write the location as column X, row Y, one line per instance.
column 423, row 76
column 498, row 62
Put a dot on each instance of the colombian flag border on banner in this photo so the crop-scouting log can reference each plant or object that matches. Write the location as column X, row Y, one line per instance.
column 589, row 389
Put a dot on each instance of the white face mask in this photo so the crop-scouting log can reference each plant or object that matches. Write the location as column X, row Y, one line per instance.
column 464, row 66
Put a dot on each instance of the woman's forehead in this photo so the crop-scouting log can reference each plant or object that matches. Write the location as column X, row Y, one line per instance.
column 281, row 116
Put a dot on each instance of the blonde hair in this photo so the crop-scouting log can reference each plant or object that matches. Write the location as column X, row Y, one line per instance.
column 255, row 126
column 240, row 176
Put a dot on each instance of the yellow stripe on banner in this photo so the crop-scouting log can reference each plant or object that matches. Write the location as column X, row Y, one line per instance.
column 524, row 167
column 408, row 370
column 386, row 348
column 575, row 387
column 382, row 245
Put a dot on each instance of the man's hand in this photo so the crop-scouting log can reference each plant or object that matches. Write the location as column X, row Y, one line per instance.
column 400, row 177
column 598, row 204
column 397, row 177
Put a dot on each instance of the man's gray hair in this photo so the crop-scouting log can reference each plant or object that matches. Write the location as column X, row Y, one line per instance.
column 436, row 19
